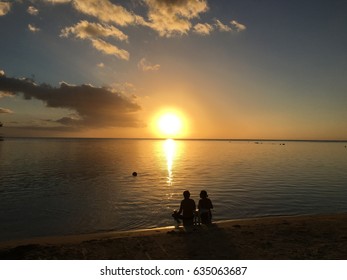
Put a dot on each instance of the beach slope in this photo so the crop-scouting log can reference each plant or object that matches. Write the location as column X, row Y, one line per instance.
column 270, row 238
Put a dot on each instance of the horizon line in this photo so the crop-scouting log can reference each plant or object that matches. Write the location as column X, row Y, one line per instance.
column 258, row 140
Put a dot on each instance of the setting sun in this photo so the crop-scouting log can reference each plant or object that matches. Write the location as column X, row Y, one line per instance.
column 170, row 124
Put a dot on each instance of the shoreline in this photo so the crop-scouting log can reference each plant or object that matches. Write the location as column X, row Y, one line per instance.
column 275, row 237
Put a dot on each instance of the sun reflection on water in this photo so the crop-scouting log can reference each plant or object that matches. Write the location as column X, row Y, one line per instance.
column 170, row 152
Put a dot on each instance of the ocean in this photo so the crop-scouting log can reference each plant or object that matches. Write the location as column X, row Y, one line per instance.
column 51, row 187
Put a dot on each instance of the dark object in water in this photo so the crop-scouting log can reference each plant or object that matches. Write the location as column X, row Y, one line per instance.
column 134, row 174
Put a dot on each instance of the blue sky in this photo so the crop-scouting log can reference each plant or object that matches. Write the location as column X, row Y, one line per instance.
column 229, row 69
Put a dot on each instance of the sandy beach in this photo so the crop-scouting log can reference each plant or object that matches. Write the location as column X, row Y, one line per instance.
column 270, row 238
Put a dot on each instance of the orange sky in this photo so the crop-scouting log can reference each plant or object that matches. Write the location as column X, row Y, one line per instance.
column 230, row 69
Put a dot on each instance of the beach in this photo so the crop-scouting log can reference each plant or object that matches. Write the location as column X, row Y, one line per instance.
column 306, row 237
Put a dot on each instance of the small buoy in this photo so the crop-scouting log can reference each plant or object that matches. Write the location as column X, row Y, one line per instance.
column 134, row 174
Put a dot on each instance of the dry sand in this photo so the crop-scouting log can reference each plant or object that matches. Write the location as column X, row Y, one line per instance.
column 270, row 238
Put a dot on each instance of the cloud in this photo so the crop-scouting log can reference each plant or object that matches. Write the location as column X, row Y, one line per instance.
column 93, row 106
column 105, row 11
column 33, row 11
column 92, row 31
column 125, row 88
column 235, row 26
column 144, row 65
column 222, row 27
column 203, row 28
column 58, row 1
column 167, row 17
column 33, row 28
column 5, row 7
column 110, row 49
column 238, row 26
column 88, row 30
column 173, row 17
column 5, row 111
column 101, row 65
column 4, row 93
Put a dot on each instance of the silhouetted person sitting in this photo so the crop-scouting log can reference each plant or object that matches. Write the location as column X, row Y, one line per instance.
column 205, row 206
column 186, row 211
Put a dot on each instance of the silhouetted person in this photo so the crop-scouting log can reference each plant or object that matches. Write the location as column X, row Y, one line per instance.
column 205, row 206
column 186, row 211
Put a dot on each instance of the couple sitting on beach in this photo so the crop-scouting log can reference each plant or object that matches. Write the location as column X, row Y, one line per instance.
column 188, row 213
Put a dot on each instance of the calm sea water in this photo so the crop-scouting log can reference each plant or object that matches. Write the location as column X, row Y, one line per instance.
column 72, row 186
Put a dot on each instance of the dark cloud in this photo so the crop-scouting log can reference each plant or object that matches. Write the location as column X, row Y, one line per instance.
column 93, row 106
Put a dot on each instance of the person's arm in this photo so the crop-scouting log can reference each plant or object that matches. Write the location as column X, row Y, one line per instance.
column 181, row 208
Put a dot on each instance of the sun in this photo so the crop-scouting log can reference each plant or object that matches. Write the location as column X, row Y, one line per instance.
column 170, row 124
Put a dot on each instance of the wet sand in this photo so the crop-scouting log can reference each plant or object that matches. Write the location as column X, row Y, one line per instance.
column 318, row 237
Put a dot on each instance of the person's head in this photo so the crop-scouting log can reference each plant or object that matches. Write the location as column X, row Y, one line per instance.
column 186, row 194
column 203, row 194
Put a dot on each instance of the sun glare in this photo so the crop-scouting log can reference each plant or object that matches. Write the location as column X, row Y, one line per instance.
column 170, row 124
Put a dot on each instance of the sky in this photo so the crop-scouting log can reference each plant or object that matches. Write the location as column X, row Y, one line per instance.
column 231, row 69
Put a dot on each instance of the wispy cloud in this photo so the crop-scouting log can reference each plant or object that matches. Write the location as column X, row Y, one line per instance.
column 88, row 30
column 105, row 11
column 168, row 18
column 203, row 28
column 222, row 27
column 32, row 11
column 234, row 26
column 58, row 1
column 33, row 28
column 110, row 49
column 145, row 65
column 92, row 31
column 238, row 26
column 92, row 106
column 5, row 7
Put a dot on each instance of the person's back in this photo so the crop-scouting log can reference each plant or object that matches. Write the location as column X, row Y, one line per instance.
column 205, row 206
column 187, row 209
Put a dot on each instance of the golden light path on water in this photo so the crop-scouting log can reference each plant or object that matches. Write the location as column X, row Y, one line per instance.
column 170, row 152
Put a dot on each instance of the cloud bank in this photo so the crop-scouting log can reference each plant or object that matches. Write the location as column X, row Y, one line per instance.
column 92, row 106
